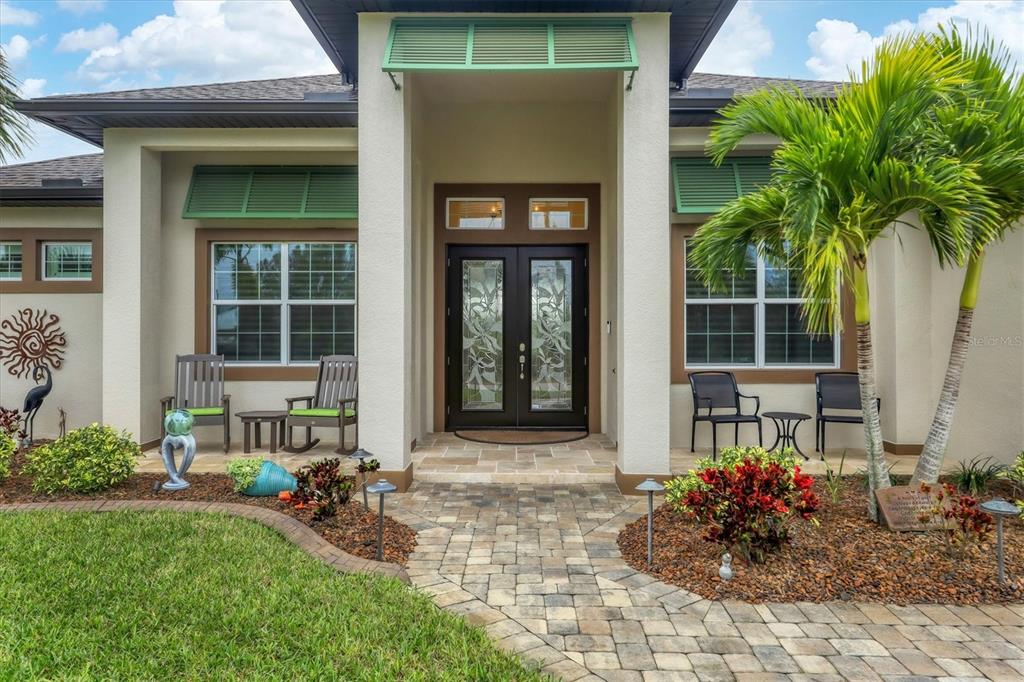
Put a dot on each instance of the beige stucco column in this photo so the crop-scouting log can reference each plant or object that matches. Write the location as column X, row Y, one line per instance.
column 385, row 259
column 643, row 276
column 131, row 285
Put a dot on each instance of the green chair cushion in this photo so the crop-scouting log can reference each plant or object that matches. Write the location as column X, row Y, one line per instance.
column 321, row 412
column 203, row 411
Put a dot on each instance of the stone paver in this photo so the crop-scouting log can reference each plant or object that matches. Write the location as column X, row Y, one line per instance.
column 539, row 566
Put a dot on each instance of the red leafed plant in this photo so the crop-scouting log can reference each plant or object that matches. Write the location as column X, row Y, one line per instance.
column 322, row 487
column 749, row 507
column 964, row 523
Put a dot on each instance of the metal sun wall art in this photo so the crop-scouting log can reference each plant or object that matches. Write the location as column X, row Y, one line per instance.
column 30, row 339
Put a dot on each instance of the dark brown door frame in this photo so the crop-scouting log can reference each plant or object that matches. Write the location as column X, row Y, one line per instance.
column 517, row 233
column 517, row 409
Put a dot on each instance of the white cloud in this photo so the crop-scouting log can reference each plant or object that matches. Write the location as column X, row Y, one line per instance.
column 208, row 41
column 837, row 46
column 82, row 6
column 740, row 45
column 16, row 16
column 16, row 49
column 88, row 39
column 32, row 88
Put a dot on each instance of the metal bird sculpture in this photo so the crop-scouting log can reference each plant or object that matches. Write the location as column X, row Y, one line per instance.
column 34, row 398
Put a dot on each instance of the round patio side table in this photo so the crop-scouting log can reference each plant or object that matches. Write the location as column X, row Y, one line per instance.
column 785, row 429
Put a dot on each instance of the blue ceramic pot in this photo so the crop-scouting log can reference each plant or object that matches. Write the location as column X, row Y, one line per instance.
column 271, row 480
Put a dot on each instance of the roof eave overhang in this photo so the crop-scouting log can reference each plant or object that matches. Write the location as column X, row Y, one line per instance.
column 41, row 196
column 680, row 66
column 86, row 119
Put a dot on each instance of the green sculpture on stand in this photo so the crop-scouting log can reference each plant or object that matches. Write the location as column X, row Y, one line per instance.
column 178, row 424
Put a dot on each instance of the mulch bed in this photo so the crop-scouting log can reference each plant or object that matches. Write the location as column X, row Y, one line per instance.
column 352, row 530
column 847, row 557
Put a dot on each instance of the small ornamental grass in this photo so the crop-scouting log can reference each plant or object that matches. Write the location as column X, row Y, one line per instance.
column 86, row 460
column 747, row 499
column 244, row 471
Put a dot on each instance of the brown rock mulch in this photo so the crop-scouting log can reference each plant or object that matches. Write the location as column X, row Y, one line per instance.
column 352, row 530
column 846, row 557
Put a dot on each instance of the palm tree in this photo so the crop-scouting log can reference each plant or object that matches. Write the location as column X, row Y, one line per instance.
column 14, row 130
column 843, row 175
column 984, row 126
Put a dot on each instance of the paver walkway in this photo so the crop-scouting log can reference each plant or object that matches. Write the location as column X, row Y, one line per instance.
column 539, row 568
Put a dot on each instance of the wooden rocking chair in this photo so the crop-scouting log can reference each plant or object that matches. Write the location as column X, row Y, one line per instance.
column 333, row 404
column 199, row 390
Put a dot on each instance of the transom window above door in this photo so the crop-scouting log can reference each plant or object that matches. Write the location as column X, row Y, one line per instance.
column 756, row 321
column 481, row 213
column 283, row 303
column 558, row 214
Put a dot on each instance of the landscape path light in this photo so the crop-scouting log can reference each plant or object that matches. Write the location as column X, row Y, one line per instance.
column 650, row 486
column 361, row 456
column 382, row 487
column 1000, row 508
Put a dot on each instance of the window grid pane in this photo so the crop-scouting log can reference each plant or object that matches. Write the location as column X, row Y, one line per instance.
column 258, row 298
column 10, row 261
column 67, row 261
column 558, row 214
column 722, row 328
column 247, row 272
column 317, row 330
column 476, row 214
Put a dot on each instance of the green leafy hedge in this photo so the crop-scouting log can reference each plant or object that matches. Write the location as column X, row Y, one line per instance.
column 7, row 447
column 86, row 460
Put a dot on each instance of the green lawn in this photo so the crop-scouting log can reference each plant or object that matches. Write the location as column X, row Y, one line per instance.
column 166, row 595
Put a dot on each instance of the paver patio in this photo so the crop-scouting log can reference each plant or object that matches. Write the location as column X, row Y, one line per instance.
column 538, row 567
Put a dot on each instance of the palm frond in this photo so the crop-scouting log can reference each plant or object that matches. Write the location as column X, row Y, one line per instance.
column 15, row 134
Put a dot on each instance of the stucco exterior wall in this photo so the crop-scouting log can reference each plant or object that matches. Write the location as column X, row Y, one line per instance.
column 76, row 384
column 178, row 275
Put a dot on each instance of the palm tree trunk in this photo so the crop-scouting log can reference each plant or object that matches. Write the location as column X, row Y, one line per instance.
column 878, row 473
column 929, row 464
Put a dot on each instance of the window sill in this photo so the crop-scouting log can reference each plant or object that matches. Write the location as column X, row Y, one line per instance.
column 754, row 375
column 270, row 373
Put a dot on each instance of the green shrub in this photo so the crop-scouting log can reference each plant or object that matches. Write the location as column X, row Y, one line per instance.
column 677, row 489
column 975, row 476
column 7, row 447
column 244, row 471
column 86, row 460
column 1015, row 475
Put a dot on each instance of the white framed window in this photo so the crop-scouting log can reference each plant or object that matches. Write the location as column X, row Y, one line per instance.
column 756, row 322
column 474, row 213
column 283, row 303
column 67, row 261
column 10, row 261
column 548, row 213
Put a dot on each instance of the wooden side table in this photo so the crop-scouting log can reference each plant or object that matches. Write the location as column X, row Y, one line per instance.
column 273, row 417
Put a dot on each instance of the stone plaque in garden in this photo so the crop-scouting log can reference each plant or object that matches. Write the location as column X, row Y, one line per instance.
column 902, row 505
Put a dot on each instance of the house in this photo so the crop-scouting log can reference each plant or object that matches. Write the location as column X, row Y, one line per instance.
column 491, row 209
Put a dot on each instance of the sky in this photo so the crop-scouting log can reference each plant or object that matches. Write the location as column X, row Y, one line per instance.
column 65, row 46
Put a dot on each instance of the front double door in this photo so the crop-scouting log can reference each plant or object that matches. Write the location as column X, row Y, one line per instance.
column 516, row 337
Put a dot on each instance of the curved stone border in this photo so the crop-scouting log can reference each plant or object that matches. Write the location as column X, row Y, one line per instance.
column 308, row 540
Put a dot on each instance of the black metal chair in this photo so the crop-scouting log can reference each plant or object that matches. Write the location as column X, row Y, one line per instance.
column 718, row 390
column 836, row 391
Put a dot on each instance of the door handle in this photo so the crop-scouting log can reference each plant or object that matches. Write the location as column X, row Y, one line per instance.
column 522, row 366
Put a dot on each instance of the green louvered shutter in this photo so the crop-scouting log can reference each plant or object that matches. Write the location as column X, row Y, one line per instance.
column 701, row 187
column 273, row 192
column 753, row 172
column 509, row 44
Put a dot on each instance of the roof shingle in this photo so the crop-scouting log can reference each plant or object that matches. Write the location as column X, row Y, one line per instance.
column 88, row 167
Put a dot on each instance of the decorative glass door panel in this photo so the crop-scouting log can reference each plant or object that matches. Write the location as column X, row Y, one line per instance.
column 483, row 350
column 516, row 337
column 551, row 334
